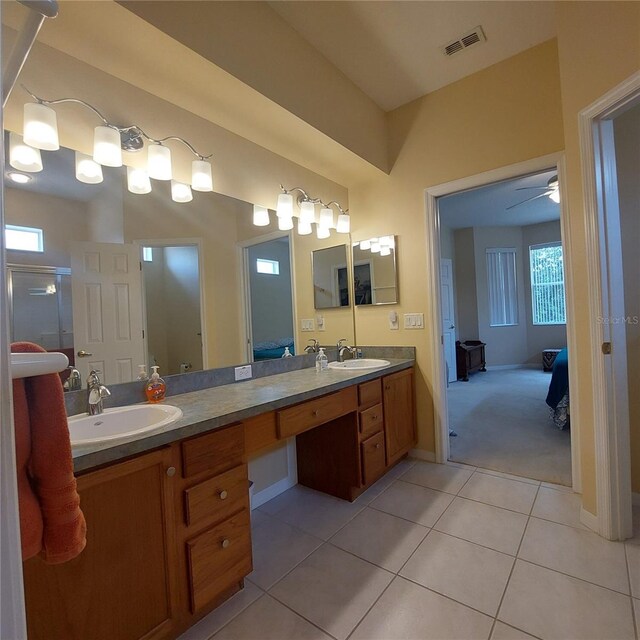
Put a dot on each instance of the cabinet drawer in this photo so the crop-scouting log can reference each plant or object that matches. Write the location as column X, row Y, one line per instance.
column 371, row 420
column 260, row 432
column 218, row 558
column 372, row 458
column 214, row 452
column 370, row 393
column 316, row 412
column 217, row 498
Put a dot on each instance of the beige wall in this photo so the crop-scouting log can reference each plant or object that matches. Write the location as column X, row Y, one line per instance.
column 466, row 292
column 502, row 115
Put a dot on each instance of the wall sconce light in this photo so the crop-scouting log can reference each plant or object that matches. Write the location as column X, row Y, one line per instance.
column 110, row 140
column 260, row 216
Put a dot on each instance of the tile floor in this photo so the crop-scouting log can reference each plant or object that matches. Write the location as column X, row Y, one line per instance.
column 432, row 552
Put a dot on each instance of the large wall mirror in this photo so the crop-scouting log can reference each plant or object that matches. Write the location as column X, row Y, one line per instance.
column 375, row 278
column 330, row 277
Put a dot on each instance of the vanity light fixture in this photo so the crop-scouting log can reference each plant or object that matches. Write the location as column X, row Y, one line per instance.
column 138, row 181
column 19, row 178
column 260, row 216
column 304, row 227
column 375, row 245
column 322, row 232
column 87, row 169
column 110, row 140
column 181, row 192
column 383, row 245
column 326, row 218
column 365, row 245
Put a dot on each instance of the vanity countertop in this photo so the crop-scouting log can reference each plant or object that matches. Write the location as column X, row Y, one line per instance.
column 220, row 406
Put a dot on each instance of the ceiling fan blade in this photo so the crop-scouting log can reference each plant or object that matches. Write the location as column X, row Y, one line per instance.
column 540, row 195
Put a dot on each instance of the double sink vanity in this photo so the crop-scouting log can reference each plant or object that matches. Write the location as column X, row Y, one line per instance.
column 168, row 510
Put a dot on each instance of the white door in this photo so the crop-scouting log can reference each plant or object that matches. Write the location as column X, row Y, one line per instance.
column 448, row 317
column 106, row 287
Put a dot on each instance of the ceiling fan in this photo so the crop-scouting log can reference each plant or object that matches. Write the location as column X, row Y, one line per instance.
column 552, row 190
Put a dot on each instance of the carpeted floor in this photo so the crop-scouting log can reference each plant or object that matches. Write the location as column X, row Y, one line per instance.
column 503, row 423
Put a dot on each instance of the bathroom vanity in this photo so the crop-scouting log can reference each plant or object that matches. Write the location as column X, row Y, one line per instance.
column 169, row 534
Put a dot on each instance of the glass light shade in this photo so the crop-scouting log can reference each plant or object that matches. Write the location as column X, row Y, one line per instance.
column 22, row 156
column 307, row 212
column 555, row 196
column 322, row 232
column 138, row 181
column 385, row 251
column 106, row 147
column 385, row 241
column 304, row 228
column 19, row 178
column 181, row 192
column 201, row 178
column 344, row 223
column 159, row 158
column 365, row 245
column 40, row 127
column 260, row 216
column 284, row 208
column 326, row 218
column 375, row 245
column 285, row 224
column 87, row 169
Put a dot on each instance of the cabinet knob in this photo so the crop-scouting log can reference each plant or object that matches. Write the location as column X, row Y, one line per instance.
column 316, row 413
column 171, row 471
column 378, row 446
column 225, row 543
column 374, row 417
column 223, row 495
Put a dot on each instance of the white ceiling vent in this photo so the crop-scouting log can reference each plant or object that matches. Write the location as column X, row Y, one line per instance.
column 470, row 38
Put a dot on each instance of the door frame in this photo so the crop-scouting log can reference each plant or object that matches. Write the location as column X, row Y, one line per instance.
column 438, row 367
column 610, row 403
column 455, row 328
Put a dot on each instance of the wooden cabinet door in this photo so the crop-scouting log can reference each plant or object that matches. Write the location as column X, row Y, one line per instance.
column 399, row 414
column 122, row 585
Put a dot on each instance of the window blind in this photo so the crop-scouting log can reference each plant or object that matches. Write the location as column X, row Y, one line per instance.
column 502, row 285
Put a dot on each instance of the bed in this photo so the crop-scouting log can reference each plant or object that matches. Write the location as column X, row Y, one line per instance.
column 558, row 395
column 271, row 349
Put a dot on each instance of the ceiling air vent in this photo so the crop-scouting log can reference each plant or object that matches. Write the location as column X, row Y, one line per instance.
column 474, row 36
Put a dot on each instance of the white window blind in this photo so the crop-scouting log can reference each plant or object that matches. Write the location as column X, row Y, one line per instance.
column 502, row 284
column 547, row 284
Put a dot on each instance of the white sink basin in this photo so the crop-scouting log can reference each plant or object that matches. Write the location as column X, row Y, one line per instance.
column 120, row 423
column 359, row 363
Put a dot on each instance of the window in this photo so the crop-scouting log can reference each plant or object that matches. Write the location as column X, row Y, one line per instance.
column 547, row 284
column 24, row 238
column 147, row 254
column 503, row 292
column 270, row 267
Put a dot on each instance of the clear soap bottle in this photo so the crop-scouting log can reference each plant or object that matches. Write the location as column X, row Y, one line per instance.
column 322, row 362
column 156, row 388
column 287, row 353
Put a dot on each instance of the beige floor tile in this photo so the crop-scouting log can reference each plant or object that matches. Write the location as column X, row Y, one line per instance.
column 332, row 589
column 483, row 524
column 473, row 575
column 636, row 610
column 267, row 619
column 211, row 623
column 316, row 513
column 509, row 476
column 442, row 477
column 375, row 489
column 412, row 502
column 277, row 548
column 636, row 527
column 258, row 517
column 461, row 465
column 409, row 611
column 380, row 538
column 553, row 606
column 633, row 559
column 504, row 632
column 579, row 553
column 557, row 487
column 500, row 492
column 402, row 467
column 558, row 506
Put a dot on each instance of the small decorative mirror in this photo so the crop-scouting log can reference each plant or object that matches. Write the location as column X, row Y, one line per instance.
column 375, row 278
column 330, row 277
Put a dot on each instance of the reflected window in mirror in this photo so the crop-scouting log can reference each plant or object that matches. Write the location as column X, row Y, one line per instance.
column 375, row 279
column 330, row 277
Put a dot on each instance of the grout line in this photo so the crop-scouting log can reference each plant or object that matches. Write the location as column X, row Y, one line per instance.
column 366, row 613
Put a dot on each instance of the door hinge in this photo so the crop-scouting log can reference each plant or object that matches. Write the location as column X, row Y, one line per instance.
column 143, row 333
column 442, row 340
column 140, row 263
column 606, row 348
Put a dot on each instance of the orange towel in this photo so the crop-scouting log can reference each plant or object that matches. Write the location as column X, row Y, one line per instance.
column 51, row 522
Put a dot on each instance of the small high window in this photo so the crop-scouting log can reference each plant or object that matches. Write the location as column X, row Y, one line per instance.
column 270, row 267
column 547, row 284
column 24, row 238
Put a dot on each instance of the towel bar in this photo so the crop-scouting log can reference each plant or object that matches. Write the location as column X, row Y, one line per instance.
column 25, row 365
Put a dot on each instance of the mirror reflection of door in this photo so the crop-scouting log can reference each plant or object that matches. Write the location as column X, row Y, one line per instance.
column 270, row 299
column 171, row 277
column 448, row 317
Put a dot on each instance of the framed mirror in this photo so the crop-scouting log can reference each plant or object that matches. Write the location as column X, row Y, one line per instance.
column 375, row 278
column 330, row 277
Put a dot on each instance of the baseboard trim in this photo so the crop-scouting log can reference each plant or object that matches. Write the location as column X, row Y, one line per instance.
column 504, row 367
column 589, row 520
column 421, row 454
column 272, row 491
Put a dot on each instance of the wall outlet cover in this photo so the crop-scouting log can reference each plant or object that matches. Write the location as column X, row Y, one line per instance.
column 243, row 373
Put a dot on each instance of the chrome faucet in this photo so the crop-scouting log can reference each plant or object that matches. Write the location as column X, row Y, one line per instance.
column 74, row 382
column 96, row 393
column 313, row 347
column 344, row 347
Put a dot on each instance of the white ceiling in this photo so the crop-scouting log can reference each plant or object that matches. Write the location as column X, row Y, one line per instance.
column 487, row 206
column 391, row 49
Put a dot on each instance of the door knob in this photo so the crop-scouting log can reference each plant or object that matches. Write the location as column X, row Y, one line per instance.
column 452, row 327
column 83, row 354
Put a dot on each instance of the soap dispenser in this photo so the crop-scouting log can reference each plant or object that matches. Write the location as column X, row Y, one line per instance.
column 143, row 376
column 322, row 362
column 287, row 353
column 156, row 388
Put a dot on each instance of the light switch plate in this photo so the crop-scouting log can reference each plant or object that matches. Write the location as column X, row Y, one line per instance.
column 307, row 324
column 243, row 373
column 320, row 323
column 414, row 320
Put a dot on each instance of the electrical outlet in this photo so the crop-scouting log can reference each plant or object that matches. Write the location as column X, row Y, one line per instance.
column 394, row 325
column 307, row 324
column 243, row 373
column 320, row 323
column 414, row 321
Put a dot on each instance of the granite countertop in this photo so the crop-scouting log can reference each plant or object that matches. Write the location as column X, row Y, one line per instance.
column 220, row 406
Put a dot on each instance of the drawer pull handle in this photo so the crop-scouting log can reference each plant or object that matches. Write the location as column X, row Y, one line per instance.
column 223, row 495
column 225, row 543
column 378, row 446
column 316, row 413
column 171, row 471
